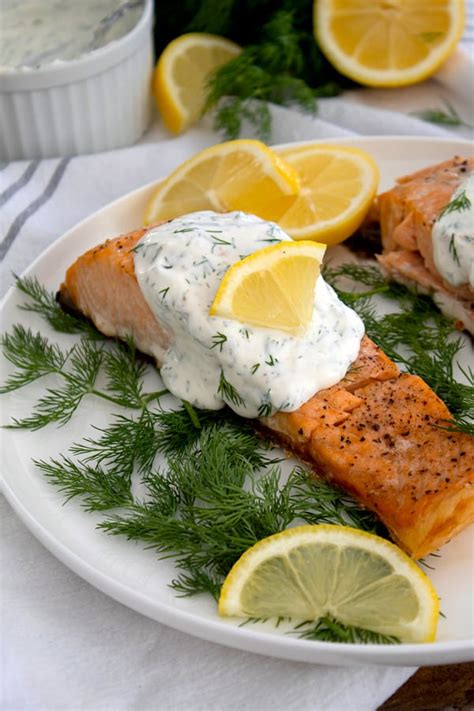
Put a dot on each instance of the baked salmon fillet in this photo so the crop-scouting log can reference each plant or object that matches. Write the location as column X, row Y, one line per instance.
column 406, row 214
column 378, row 434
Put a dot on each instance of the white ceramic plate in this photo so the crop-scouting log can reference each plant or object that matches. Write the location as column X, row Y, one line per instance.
column 134, row 576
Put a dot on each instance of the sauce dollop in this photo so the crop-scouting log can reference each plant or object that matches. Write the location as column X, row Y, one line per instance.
column 453, row 237
column 214, row 361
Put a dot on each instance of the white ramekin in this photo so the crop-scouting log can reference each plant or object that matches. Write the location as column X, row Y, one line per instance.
column 94, row 103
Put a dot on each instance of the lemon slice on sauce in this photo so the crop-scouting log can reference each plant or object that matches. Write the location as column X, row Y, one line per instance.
column 273, row 287
column 356, row 577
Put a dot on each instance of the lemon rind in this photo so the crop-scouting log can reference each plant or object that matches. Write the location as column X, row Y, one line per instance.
column 281, row 543
column 386, row 78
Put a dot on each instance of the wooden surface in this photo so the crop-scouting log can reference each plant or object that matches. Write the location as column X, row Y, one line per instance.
column 433, row 688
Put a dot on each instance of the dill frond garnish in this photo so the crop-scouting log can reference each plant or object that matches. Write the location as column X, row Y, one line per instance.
column 218, row 341
column 59, row 404
column 211, row 505
column 453, row 251
column 76, row 369
column 459, row 203
column 327, row 629
column 99, row 489
column 272, row 69
column 32, row 355
column 227, row 391
column 447, row 116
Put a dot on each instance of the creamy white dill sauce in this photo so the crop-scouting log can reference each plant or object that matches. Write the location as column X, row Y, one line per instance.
column 212, row 361
column 453, row 237
column 34, row 33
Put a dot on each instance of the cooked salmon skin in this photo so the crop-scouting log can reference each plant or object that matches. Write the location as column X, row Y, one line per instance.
column 378, row 434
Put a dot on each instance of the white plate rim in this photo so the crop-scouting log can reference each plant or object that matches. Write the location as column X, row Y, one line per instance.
column 251, row 640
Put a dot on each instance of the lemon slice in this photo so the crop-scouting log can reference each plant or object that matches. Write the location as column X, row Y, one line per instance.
column 388, row 42
column 356, row 577
column 273, row 287
column 181, row 72
column 338, row 185
column 235, row 175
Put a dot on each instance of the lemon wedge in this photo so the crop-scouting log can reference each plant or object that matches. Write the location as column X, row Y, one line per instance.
column 338, row 185
column 356, row 577
column 388, row 42
column 272, row 288
column 181, row 73
column 234, row 175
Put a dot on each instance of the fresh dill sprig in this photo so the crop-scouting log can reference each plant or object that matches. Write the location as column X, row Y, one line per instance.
column 270, row 70
column 459, row 203
column 58, row 405
column 265, row 409
column 99, row 489
column 32, row 355
column 453, row 251
column 319, row 502
column 187, row 584
column 210, row 506
column 78, row 368
column 128, row 442
column 125, row 373
column 228, row 393
column 447, row 116
column 328, row 629
column 218, row 341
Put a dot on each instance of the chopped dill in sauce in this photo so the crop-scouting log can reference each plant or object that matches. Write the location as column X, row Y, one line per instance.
column 211, row 361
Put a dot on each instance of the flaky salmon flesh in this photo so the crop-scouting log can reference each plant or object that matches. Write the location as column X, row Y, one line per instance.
column 406, row 214
column 378, row 434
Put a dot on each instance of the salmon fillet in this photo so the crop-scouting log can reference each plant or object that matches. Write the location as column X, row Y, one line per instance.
column 376, row 433
column 407, row 213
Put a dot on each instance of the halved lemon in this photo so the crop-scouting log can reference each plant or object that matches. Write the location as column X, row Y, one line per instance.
column 388, row 42
column 235, row 175
column 356, row 577
column 181, row 73
column 338, row 185
column 273, row 287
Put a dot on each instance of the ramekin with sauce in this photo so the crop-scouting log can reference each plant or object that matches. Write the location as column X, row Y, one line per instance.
column 75, row 77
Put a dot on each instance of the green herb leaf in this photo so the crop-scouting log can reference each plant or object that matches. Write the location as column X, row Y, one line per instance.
column 459, row 203
column 328, row 629
column 447, row 117
column 100, row 490
column 272, row 70
column 32, row 355
column 227, row 391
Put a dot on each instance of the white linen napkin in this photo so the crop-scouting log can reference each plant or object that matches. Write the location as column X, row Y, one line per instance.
column 65, row 645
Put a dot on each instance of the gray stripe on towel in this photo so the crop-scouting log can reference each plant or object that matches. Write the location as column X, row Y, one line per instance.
column 33, row 207
column 20, row 183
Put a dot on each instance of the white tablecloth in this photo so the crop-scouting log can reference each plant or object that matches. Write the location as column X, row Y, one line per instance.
column 66, row 646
